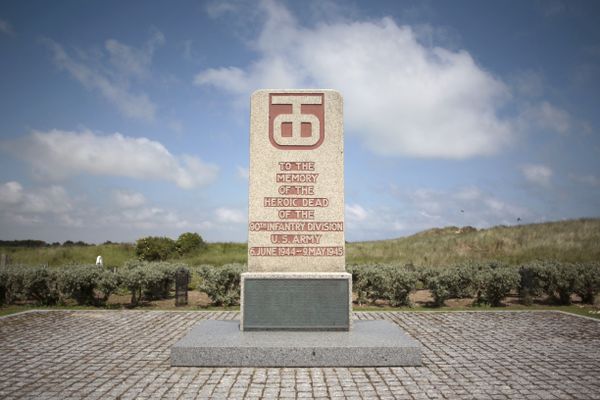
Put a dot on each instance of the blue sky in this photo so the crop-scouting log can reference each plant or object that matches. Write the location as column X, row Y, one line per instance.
column 126, row 119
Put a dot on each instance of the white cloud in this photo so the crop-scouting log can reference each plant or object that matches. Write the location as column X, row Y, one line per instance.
column 128, row 199
column 425, row 208
column 547, row 117
column 6, row 28
column 537, row 174
column 401, row 96
column 11, row 192
column 217, row 8
column 356, row 212
column 32, row 206
column 113, row 81
column 53, row 199
column 428, row 201
column 468, row 193
column 230, row 78
column 54, row 215
column 232, row 215
column 131, row 61
column 152, row 218
column 58, row 154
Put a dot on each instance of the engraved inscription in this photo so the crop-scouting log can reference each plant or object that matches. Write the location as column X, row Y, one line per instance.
column 296, row 182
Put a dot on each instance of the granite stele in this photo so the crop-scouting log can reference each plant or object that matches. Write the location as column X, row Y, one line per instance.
column 296, row 298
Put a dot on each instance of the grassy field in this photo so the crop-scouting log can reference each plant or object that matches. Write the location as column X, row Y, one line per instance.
column 567, row 241
column 117, row 253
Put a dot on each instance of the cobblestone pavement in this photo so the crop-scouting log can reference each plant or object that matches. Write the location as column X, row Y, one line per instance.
column 125, row 355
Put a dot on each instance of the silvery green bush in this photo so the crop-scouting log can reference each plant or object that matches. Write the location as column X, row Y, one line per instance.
column 488, row 283
column 441, row 285
column 556, row 280
column 149, row 280
column 587, row 286
column 41, row 285
column 565, row 282
column 384, row 282
column 531, row 282
column 79, row 282
column 402, row 282
column 221, row 284
column 497, row 283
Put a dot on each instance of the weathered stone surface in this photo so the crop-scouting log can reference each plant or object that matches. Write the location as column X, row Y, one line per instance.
column 296, row 301
column 296, row 196
column 126, row 354
column 222, row 344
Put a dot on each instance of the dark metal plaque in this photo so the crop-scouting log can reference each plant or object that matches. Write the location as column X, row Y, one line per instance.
column 296, row 304
column 182, row 278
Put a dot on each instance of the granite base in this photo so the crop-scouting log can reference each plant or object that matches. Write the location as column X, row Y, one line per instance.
column 369, row 344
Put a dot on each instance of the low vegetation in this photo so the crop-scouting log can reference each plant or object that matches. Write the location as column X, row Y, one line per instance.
column 221, row 284
column 485, row 283
column 117, row 254
column 565, row 241
column 87, row 284
column 558, row 262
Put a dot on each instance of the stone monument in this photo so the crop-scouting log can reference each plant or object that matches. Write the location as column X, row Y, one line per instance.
column 296, row 298
column 296, row 276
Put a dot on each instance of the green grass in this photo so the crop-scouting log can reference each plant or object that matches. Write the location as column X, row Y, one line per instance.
column 566, row 241
column 220, row 254
column 112, row 254
column 117, row 254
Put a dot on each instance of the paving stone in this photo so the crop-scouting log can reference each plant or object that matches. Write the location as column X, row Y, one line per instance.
column 125, row 354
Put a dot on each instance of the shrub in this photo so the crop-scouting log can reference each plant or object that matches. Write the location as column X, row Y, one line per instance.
column 3, row 285
column 466, row 281
column 441, row 286
column 588, row 281
column 153, row 248
column 12, row 284
column 357, row 282
column 565, row 282
column 459, row 281
column 79, row 282
column 149, row 280
column 108, row 283
column 367, row 281
column 160, row 280
column 41, row 284
column 383, row 282
column 221, row 284
column 400, row 284
column 188, row 242
column 531, row 282
column 558, row 281
column 497, row 283
column 426, row 273
column 134, row 279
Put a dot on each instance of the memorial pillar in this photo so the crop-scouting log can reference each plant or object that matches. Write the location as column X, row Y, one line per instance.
column 296, row 276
